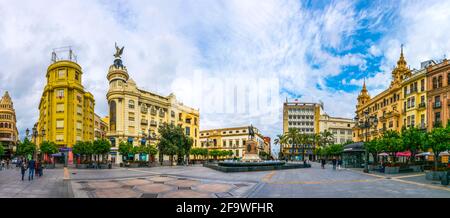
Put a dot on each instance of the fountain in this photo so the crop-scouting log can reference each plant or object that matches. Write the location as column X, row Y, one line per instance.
column 251, row 161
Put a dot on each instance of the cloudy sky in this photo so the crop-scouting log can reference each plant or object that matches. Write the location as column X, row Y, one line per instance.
column 310, row 50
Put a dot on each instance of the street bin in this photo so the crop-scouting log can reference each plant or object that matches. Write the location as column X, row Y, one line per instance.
column 445, row 178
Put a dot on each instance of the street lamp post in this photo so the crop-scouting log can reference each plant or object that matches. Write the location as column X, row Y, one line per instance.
column 366, row 122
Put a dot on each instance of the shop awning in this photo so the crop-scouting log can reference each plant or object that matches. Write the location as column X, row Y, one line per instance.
column 403, row 154
column 444, row 153
column 424, row 154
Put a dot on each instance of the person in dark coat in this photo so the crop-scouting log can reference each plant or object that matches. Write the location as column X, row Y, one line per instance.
column 23, row 168
column 31, row 167
column 334, row 163
column 323, row 163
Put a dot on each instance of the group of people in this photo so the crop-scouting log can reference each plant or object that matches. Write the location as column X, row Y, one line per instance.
column 334, row 161
column 5, row 164
column 33, row 167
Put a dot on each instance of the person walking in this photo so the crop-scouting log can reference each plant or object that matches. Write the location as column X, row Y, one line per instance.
column 31, row 167
column 339, row 163
column 37, row 168
column 23, row 168
column 7, row 164
column 3, row 165
column 323, row 163
column 334, row 163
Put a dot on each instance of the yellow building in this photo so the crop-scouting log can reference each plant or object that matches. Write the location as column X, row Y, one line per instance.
column 414, row 111
column 66, row 110
column 402, row 104
column 233, row 139
column 136, row 114
column 341, row 128
column 8, row 129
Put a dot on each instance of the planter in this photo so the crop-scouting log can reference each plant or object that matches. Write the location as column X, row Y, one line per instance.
column 133, row 165
column 434, row 175
column 416, row 168
column 82, row 166
column 391, row 170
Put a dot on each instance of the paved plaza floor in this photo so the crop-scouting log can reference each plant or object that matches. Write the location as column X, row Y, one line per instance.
column 198, row 181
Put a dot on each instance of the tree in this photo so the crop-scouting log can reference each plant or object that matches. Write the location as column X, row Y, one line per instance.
column 412, row 139
column 294, row 138
column 214, row 154
column 26, row 148
column 374, row 147
column 438, row 140
column 2, row 149
column 335, row 149
column 48, row 148
column 173, row 141
column 391, row 142
column 149, row 150
column 101, row 147
column 195, row 152
column 125, row 149
column 83, row 149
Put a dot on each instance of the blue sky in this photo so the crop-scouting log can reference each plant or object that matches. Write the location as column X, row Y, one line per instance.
column 314, row 50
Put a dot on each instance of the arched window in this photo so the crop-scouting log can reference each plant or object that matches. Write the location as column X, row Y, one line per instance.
column 1, row 125
column 112, row 115
column 131, row 104
column 434, row 83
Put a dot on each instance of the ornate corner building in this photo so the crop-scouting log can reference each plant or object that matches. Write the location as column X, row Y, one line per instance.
column 415, row 98
column 136, row 114
column 66, row 110
column 8, row 129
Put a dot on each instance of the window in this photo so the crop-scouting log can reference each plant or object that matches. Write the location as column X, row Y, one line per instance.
column 60, row 93
column 59, row 124
column 437, row 117
column 131, row 104
column 435, row 83
column 79, row 110
column 422, row 85
column 61, row 74
column 224, row 143
column 439, row 81
column 59, row 138
column 413, row 120
column 79, row 126
column 59, row 108
column 172, row 114
column 77, row 76
column 188, row 131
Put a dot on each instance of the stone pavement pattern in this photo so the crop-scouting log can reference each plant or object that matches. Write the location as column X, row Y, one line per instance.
column 158, row 186
column 197, row 181
column 50, row 185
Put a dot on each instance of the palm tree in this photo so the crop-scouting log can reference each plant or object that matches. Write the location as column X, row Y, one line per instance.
column 294, row 138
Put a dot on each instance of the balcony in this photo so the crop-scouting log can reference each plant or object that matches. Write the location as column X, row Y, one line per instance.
column 144, row 122
column 437, row 105
column 153, row 112
column 153, row 123
column 162, row 114
column 422, row 105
